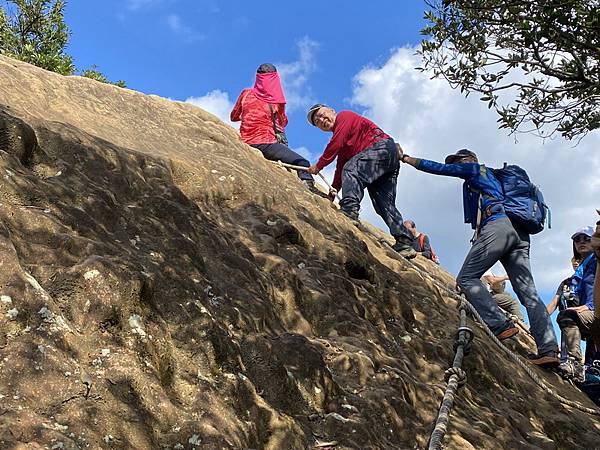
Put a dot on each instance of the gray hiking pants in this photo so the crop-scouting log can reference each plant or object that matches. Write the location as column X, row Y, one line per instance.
column 376, row 169
column 500, row 241
column 509, row 304
column 572, row 325
column 281, row 152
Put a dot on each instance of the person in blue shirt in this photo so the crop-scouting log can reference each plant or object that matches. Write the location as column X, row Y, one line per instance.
column 496, row 239
column 577, row 320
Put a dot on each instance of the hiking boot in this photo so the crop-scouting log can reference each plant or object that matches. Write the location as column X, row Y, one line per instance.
column 310, row 185
column 572, row 369
column 352, row 215
column 547, row 360
column 594, row 368
column 508, row 333
column 403, row 247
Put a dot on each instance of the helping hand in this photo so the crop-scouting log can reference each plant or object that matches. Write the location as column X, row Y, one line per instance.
column 400, row 151
column 580, row 308
column 313, row 170
column 332, row 194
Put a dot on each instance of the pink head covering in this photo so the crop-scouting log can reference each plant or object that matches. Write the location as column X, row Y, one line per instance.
column 268, row 88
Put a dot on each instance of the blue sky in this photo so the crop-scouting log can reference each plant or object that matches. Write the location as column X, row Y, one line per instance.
column 349, row 54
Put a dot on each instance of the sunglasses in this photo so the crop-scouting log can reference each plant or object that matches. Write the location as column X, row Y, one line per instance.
column 582, row 238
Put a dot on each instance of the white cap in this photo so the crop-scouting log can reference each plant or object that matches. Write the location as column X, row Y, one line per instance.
column 588, row 231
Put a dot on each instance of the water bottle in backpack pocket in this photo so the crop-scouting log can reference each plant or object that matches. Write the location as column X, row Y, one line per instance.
column 523, row 201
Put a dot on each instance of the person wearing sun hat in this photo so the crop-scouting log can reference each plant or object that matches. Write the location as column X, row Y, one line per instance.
column 367, row 158
column 496, row 239
column 576, row 321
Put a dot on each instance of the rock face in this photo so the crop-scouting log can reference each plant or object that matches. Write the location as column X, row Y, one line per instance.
column 163, row 286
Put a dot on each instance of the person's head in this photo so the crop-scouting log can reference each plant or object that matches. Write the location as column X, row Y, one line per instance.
column 462, row 156
column 267, row 86
column 322, row 117
column 410, row 226
column 266, row 68
column 575, row 262
column 582, row 243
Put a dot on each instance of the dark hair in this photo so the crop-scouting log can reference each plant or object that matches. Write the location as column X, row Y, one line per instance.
column 266, row 68
column 412, row 224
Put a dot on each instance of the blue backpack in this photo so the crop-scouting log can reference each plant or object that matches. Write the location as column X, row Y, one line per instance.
column 523, row 201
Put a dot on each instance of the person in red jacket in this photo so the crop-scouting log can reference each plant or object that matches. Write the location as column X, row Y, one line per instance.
column 261, row 110
column 367, row 158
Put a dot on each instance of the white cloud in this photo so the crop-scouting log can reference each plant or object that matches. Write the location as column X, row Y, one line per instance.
column 295, row 75
column 431, row 120
column 216, row 102
column 135, row 5
column 176, row 25
column 303, row 151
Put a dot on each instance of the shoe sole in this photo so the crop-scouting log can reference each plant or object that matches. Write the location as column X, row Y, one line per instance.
column 545, row 361
column 507, row 334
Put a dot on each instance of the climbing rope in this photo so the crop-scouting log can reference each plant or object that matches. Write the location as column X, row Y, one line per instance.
column 303, row 169
column 514, row 357
column 455, row 377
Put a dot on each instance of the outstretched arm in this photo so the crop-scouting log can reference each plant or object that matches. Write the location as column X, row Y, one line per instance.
column 405, row 158
column 493, row 279
column 410, row 160
column 452, row 170
column 552, row 305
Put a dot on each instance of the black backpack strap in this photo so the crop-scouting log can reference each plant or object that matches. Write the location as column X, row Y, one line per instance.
column 273, row 118
column 479, row 218
column 279, row 134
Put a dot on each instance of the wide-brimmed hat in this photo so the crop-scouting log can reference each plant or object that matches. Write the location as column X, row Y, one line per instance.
column 311, row 112
column 586, row 231
column 463, row 153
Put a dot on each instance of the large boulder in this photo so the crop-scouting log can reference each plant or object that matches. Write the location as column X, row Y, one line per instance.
column 163, row 286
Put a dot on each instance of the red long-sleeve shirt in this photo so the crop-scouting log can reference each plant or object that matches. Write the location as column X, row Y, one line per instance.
column 256, row 117
column 352, row 134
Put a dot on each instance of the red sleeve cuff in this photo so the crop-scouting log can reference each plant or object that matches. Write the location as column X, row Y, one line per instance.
column 321, row 164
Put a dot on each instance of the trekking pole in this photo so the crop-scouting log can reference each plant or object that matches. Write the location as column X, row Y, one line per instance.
column 303, row 169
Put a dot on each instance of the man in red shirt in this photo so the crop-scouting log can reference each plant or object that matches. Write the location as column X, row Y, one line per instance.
column 366, row 158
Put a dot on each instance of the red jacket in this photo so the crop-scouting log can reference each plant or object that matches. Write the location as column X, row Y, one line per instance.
column 256, row 117
column 351, row 135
